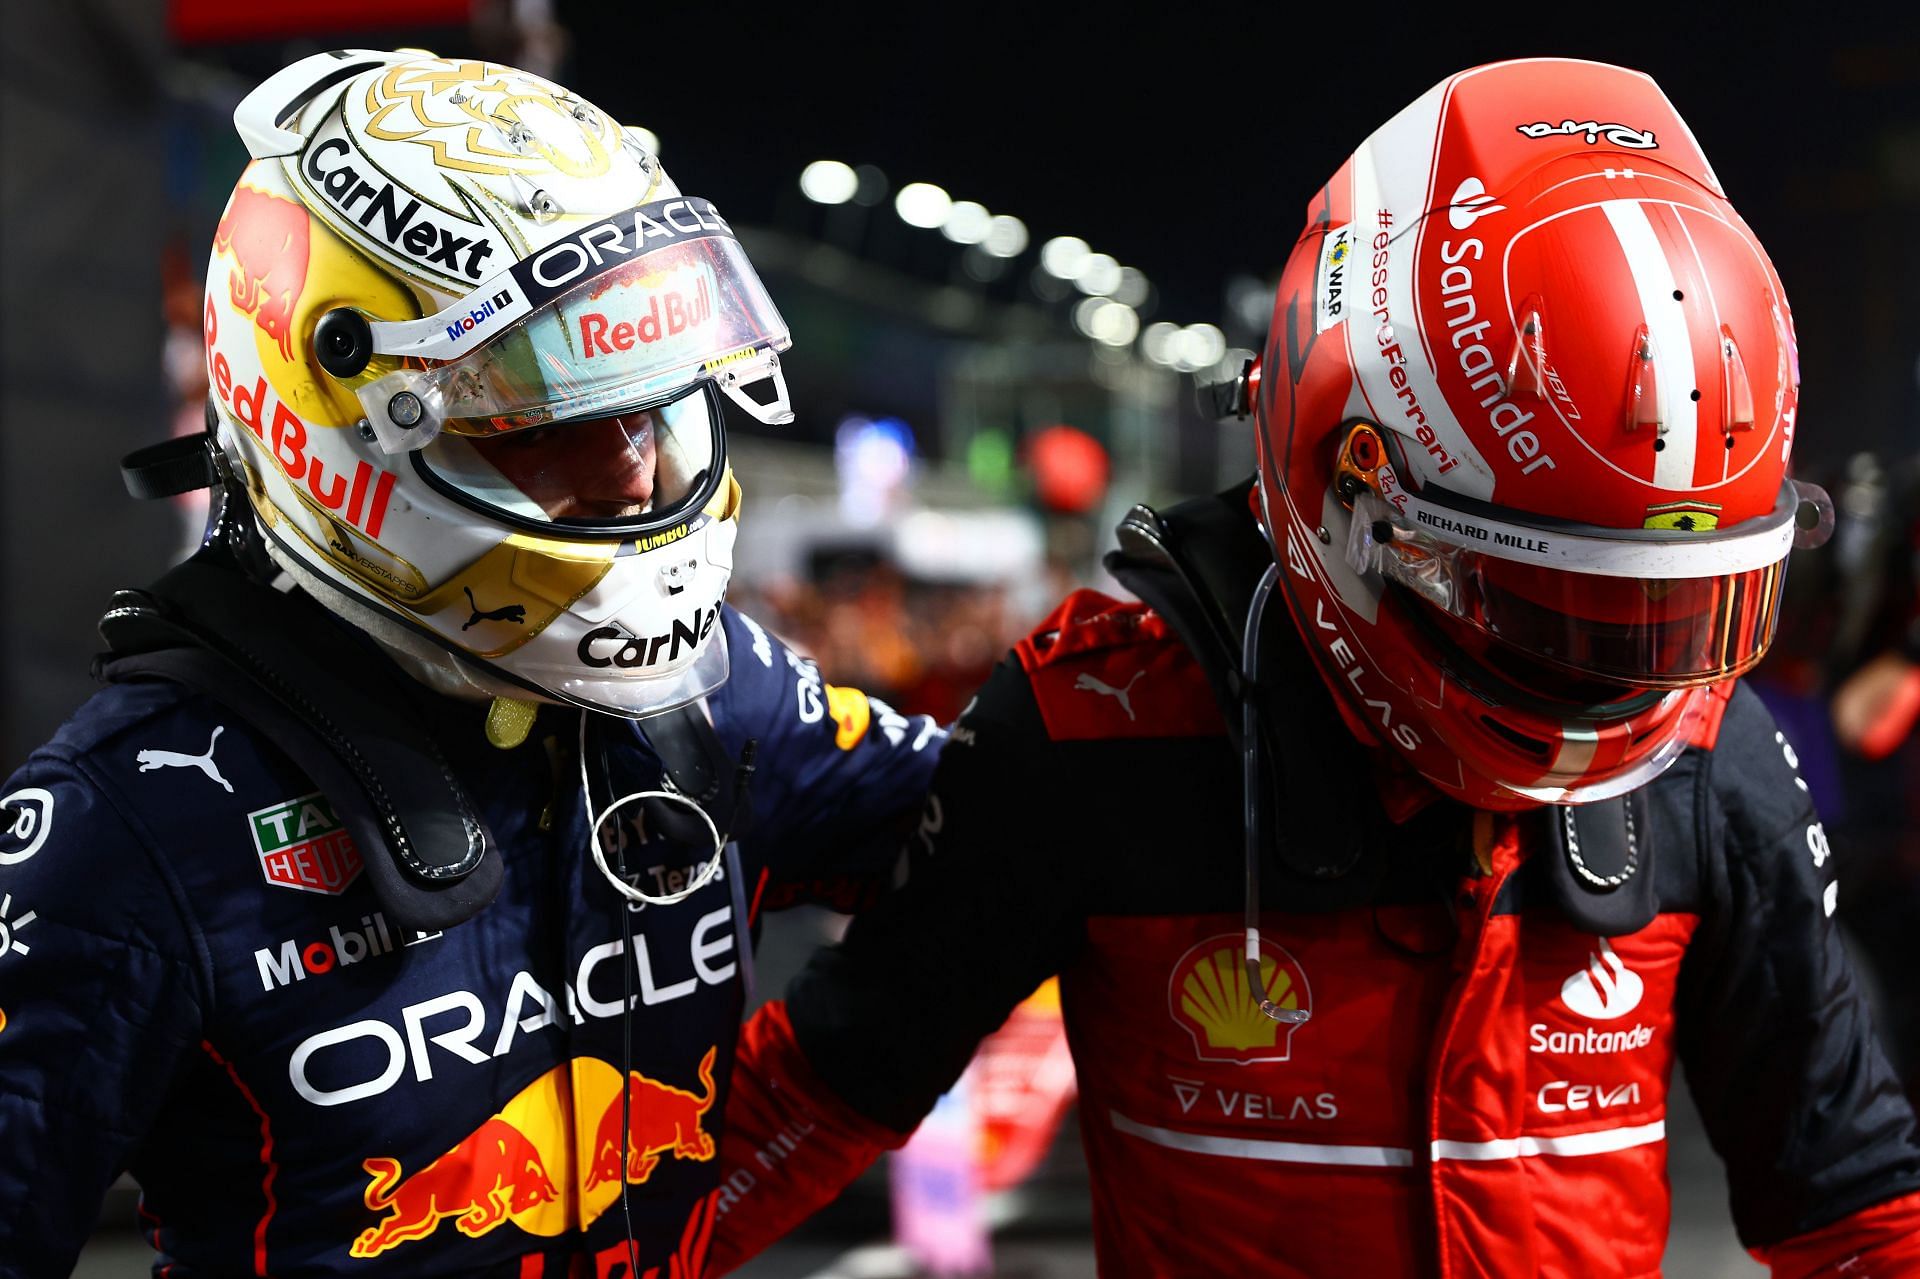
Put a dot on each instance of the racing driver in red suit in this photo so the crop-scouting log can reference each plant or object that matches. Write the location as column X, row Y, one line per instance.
column 1380, row 933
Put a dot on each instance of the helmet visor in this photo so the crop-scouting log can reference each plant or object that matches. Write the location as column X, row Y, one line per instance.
column 630, row 311
column 1639, row 608
column 619, row 473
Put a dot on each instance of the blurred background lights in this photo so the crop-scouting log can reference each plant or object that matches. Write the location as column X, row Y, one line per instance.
column 1132, row 289
column 967, row 222
column 1157, row 342
column 873, row 458
column 922, row 204
column 1197, row 346
column 1006, row 236
column 1098, row 275
column 1105, row 320
column 1116, row 324
column 829, row 182
column 1063, row 256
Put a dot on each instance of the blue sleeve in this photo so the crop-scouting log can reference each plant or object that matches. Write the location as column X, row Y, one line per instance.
column 1774, row 1031
column 101, row 999
column 840, row 777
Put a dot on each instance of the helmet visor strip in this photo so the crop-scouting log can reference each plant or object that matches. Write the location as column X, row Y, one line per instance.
column 630, row 311
column 1645, row 608
column 620, row 473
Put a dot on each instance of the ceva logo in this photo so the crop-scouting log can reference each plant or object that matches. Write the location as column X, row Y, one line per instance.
column 1605, row 989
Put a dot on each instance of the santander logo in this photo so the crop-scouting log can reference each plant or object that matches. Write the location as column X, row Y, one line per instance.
column 1470, row 203
column 1605, row 989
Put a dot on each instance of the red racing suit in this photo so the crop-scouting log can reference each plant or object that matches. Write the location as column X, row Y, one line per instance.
column 1481, row 1087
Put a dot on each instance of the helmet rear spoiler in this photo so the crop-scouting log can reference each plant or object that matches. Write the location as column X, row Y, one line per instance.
column 262, row 115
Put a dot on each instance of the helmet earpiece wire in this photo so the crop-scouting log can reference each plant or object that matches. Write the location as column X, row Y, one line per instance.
column 637, row 900
column 1251, row 783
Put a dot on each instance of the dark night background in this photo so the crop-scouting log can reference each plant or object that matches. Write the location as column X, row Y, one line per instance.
column 1183, row 140
column 1186, row 140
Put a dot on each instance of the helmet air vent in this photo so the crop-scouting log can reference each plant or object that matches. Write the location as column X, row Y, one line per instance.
column 1643, row 388
column 1527, row 365
column 1736, row 392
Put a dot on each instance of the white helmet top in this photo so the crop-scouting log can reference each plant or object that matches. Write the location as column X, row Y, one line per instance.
column 469, row 345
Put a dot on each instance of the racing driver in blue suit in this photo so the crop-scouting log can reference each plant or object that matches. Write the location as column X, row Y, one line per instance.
column 390, row 912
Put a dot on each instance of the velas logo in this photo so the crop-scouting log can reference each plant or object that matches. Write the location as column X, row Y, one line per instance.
column 1209, row 996
column 302, row 845
column 1605, row 989
column 266, row 237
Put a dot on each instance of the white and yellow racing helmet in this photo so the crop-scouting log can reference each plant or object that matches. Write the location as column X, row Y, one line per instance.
column 469, row 347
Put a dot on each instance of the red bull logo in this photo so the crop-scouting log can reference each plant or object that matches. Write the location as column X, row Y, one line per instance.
column 490, row 1176
column 661, row 1119
column 550, row 1161
column 1211, row 998
column 267, row 238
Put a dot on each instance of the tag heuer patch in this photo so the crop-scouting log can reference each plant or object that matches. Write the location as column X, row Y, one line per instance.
column 302, row 845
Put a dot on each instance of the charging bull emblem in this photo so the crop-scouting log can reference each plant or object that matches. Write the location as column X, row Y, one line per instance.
column 493, row 1174
column 662, row 1120
column 267, row 238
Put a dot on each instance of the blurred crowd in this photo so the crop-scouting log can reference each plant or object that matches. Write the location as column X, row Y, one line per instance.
column 923, row 647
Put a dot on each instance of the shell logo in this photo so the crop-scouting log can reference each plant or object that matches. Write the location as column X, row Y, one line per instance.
column 1209, row 997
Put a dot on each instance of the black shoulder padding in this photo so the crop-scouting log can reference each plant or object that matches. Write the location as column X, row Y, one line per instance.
column 693, row 756
column 1600, row 872
column 1198, row 564
column 276, row 660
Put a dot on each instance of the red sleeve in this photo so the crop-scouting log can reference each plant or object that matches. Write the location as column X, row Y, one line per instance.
column 789, row 1145
column 1882, row 1241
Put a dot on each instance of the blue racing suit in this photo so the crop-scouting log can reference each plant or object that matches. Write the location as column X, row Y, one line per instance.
column 198, row 985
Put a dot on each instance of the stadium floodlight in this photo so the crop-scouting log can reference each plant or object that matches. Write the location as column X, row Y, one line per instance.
column 1098, row 276
column 922, row 204
column 1006, row 236
column 967, row 222
column 1063, row 255
column 829, row 182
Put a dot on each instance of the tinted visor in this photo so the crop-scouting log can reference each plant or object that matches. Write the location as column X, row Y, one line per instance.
column 1632, row 607
column 1653, row 633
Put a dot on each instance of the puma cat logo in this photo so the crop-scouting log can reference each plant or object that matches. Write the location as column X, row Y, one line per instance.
column 1121, row 695
column 514, row 613
column 152, row 759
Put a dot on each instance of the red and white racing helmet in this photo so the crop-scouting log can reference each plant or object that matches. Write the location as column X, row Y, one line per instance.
column 1525, row 414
